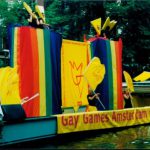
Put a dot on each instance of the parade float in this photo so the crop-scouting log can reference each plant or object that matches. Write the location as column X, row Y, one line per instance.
column 44, row 90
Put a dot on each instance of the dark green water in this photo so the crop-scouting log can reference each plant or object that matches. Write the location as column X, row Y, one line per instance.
column 126, row 138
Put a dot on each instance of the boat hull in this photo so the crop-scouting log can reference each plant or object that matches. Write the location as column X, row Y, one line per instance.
column 28, row 130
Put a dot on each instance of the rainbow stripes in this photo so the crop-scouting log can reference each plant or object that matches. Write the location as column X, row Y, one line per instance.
column 37, row 59
column 37, row 55
column 110, row 54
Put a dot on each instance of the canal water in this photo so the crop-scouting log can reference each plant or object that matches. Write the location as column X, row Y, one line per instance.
column 137, row 137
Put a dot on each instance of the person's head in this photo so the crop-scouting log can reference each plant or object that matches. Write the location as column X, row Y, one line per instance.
column 126, row 91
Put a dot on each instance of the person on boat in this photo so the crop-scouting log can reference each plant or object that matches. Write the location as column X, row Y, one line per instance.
column 38, row 22
column 93, row 99
column 35, row 22
column 127, row 98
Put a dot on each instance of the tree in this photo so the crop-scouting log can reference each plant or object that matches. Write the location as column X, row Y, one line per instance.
column 133, row 20
column 72, row 18
column 11, row 14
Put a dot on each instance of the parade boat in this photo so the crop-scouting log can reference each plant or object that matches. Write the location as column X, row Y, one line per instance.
column 44, row 90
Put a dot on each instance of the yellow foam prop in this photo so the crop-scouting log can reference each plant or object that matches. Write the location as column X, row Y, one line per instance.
column 145, row 75
column 129, row 81
column 97, row 25
column 29, row 10
column 107, row 22
column 112, row 24
column 9, row 86
column 39, row 12
column 94, row 73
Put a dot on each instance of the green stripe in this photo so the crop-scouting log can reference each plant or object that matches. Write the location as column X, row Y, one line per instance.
column 91, row 50
column 110, row 74
column 48, row 72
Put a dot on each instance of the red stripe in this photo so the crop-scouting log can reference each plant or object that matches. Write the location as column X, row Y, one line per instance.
column 95, row 38
column 120, row 66
column 25, row 64
column 118, row 72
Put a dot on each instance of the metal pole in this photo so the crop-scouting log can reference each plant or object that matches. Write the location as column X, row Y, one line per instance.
column 94, row 92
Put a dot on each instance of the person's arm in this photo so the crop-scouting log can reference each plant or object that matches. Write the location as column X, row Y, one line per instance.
column 30, row 19
column 126, row 96
column 37, row 22
column 91, row 97
column 130, row 95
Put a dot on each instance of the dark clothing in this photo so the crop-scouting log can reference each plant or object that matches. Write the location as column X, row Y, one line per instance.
column 106, row 33
column 33, row 23
column 128, row 103
column 94, row 102
column 40, row 26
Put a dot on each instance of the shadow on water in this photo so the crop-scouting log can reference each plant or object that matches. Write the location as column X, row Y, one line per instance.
column 137, row 137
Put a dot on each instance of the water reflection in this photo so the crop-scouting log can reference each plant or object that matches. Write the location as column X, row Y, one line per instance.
column 130, row 138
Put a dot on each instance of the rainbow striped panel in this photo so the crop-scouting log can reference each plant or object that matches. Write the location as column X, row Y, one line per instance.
column 110, row 54
column 38, row 62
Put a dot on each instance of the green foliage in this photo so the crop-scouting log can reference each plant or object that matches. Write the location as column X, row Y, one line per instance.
column 11, row 14
column 73, row 18
column 133, row 18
